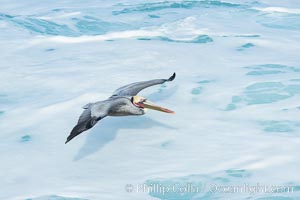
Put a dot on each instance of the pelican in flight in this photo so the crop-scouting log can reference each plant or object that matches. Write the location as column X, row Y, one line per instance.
column 123, row 102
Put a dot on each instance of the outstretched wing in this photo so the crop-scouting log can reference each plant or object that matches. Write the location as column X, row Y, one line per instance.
column 134, row 88
column 90, row 116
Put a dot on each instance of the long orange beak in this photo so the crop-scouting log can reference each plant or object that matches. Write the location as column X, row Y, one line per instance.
column 150, row 105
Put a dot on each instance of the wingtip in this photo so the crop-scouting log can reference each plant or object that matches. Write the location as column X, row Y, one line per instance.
column 172, row 77
column 69, row 138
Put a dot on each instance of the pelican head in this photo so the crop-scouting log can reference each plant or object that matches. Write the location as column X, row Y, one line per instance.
column 143, row 103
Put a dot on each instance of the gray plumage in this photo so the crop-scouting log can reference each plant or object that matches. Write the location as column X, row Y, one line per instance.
column 119, row 104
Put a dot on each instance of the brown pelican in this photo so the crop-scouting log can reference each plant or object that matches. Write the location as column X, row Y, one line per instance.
column 123, row 102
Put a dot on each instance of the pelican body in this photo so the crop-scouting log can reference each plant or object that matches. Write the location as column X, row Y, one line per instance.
column 123, row 102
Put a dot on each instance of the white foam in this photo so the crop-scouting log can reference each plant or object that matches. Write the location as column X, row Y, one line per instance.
column 185, row 29
column 60, row 16
column 279, row 9
column 109, row 36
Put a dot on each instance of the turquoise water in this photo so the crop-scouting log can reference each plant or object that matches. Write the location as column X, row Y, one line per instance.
column 236, row 98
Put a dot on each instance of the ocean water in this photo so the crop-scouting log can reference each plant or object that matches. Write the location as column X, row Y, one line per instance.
column 236, row 97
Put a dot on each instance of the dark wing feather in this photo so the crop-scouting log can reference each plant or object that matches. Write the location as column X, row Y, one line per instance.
column 134, row 88
column 81, row 127
column 86, row 121
column 86, row 114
